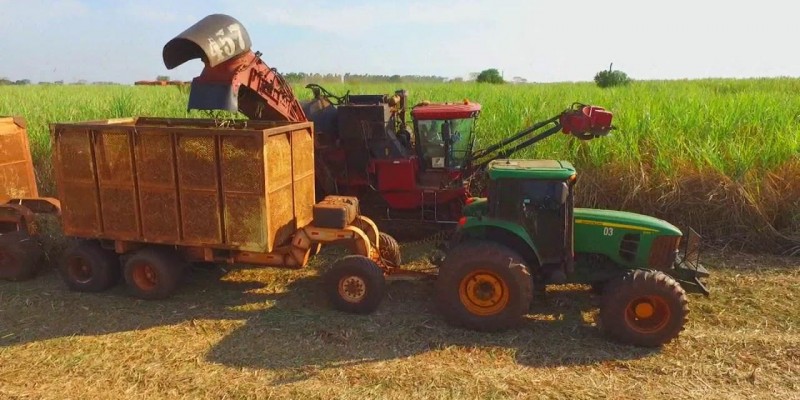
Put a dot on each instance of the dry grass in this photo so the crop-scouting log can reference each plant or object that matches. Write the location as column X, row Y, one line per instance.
column 265, row 333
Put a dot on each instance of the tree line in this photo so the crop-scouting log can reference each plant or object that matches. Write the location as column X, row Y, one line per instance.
column 22, row 82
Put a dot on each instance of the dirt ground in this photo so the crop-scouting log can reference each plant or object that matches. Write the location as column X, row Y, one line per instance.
column 267, row 333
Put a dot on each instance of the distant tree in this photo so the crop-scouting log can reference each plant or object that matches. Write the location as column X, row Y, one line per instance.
column 162, row 78
column 58, row 82
column 610, row 78
column 6, row 81
column 472, row 76
column 519, row 79
column 457, row 79
column 22, row 82
column 491, row 75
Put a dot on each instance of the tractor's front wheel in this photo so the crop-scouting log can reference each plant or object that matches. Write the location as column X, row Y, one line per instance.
column 355, row 284
column 484, row 286
column 643, row 308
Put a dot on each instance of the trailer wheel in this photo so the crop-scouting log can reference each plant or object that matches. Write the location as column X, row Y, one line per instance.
column 483, row 286
column 87, row 267
column 20, row 256
column 153, row 273
column 389, row 249
column 355, row 284
column 643, row 308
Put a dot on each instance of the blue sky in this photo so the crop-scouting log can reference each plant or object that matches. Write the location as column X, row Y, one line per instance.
column 542, row 41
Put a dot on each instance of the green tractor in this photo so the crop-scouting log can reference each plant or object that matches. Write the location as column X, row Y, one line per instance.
column 527, row 234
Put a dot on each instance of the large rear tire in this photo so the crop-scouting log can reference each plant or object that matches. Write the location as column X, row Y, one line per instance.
column 20, row 256
column 153, row 273
column 355, row 284
column 484, row 286
column 87, row 267
column 643, row 308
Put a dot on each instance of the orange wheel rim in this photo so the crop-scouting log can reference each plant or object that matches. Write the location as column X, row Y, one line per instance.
column 484, row 293
column 79, row 270
column 144, row 276
column 352, row 289
column 647, row 314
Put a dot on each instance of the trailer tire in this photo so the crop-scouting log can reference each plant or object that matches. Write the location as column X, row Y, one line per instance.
column 87, row 267
column 153, row 273
column 643, row 308
column 389, row 249
column 20, row 256
column 355, row 284
column 484, row 286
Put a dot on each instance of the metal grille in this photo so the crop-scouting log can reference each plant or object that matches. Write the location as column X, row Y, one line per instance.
column 197, row 175
column 629, row 247
column 664, row 251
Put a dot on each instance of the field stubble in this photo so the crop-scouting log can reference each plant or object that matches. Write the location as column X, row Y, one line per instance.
column 266, row 333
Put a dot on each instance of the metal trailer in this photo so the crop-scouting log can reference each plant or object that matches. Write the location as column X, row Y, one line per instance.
column 20, row 251
column 147, row 196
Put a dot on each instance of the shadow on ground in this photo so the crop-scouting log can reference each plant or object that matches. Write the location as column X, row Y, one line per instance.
column 287, row 323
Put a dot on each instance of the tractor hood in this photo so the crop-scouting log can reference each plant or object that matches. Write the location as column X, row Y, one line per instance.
column 625, row 220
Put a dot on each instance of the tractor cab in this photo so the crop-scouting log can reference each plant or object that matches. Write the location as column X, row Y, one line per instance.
column 537, row 196
column 444, row 135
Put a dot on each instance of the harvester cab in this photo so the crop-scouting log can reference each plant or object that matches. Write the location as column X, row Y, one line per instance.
column 445, row 135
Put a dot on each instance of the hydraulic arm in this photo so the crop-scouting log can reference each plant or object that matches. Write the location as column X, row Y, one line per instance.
column 582, row 121
column 234, row 78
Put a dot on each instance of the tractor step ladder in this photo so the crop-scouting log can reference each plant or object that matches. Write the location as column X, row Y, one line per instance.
column 426, row 196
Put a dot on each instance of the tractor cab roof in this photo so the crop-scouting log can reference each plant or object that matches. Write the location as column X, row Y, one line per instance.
column 530, row 169
column 428, row 111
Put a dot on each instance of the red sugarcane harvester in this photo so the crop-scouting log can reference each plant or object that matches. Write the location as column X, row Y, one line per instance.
column 365, row 146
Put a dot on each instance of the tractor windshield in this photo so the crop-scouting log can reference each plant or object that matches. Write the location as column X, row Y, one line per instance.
column 445, row 143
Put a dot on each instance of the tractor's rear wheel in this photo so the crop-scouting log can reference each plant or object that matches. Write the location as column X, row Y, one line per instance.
column 484, row 286
column 153, row 273
column 389, row 249
column 20, row 256
column 87, row 267
column 355, row 284
column 643, row 308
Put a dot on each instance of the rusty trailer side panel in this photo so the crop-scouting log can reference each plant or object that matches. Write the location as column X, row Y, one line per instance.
column 244, row 185
column 17, row 179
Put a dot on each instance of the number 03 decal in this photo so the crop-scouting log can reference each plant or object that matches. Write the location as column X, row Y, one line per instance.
column 608, row 231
